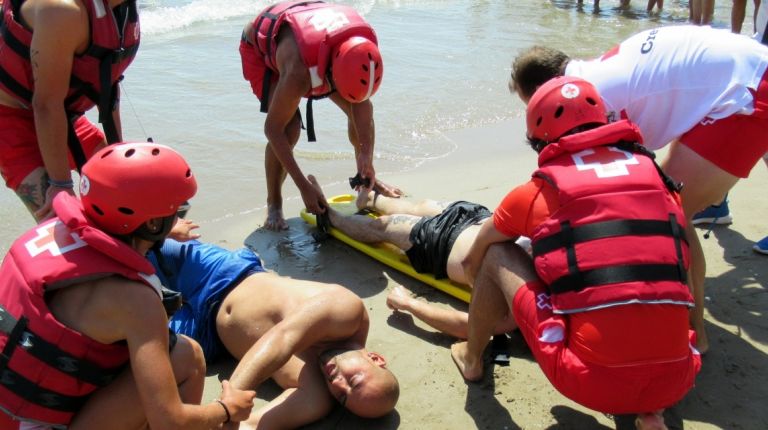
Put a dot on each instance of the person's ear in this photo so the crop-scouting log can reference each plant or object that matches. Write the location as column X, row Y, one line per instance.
column 377, row 359
column 154, row 225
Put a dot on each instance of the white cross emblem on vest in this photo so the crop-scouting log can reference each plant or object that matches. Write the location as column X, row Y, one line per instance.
column 55, row 238
column 328, row 20
column 606, row 161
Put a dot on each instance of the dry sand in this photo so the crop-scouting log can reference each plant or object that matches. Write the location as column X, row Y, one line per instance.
column 487, row 163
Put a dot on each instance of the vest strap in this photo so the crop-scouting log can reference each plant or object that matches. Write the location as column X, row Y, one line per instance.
column 616, row 275
column 52, row 355
column 606, row 229
column 32, row 393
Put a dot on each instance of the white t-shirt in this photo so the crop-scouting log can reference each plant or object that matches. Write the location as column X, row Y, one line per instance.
column 669, row 79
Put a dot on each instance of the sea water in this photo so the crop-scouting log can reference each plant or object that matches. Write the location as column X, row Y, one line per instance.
column 446, row 65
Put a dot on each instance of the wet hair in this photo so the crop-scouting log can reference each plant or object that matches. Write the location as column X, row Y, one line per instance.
column 539, row 144
column 534, row 66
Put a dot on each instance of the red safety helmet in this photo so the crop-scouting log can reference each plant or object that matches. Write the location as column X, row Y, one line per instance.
column 124, row 185
column 562, row 104
column 356, row 69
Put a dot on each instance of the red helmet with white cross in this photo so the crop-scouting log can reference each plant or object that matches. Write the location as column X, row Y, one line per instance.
column 562, row 104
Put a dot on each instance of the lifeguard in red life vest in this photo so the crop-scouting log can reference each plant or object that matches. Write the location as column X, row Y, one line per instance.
column 312, row 49
column 59, row 59
column 603, row 304
column 83, row 330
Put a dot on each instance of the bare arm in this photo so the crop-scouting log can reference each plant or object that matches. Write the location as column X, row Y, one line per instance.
column 362, row 135
column 291, row 87
column 60, row 29
column 329, row 318
column 487, row 236
column 143, row 320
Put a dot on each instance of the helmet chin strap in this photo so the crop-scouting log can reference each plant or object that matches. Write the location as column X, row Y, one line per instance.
column 144, row 232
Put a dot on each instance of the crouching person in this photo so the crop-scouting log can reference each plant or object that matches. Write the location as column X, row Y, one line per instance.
column 83, row 332
column 604, row 302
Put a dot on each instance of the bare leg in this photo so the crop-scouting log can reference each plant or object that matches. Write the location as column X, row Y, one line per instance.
column 119, row 405
column 32, row 189
column 275, row 178
column 449, row 321
column 694, row 10
column 395, row 229
column 705, row 184
column 651, row 421
column 388, row 205
column 707, row 11
column 738, row 11
column 504, row 270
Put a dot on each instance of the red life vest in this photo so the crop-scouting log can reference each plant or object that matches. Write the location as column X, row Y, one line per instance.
column 317, row 27
column 47, row 370
column 618, row 237
column 95, row 74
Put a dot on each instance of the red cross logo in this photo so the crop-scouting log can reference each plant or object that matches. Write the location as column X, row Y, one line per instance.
column 606, row 161
column 569, row 91
column 55, row 238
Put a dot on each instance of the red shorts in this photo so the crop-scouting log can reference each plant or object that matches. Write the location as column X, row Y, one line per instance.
column 635, row 388
column 254, row 68
column 735, row 143
column 19, row 152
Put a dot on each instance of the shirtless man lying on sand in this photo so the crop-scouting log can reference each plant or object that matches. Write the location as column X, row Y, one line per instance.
column 308, row 336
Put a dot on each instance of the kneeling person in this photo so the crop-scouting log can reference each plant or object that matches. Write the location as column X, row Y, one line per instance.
column 604, row 303
column 82, row 325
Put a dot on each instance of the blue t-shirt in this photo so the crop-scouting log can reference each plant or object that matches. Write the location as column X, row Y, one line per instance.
column 203, row 273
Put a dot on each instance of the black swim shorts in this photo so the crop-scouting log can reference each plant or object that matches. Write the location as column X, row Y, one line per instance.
column 432, row 237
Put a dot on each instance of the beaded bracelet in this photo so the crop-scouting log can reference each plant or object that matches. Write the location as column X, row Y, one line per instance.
column 61, row 184
column 226, row 410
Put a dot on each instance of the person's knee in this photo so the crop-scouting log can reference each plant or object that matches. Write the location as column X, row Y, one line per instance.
column 187, row 359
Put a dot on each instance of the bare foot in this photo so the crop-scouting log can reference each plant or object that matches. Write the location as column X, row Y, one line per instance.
column 702, row 341
column 399, row 299
column 365, row 200
column 387, row 190
column 471, row 369
column 652, row 421
column 275, row 220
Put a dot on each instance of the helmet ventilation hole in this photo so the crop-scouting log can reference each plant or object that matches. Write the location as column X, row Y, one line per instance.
column 129, row 153
column 370, row 57
column 97, row 209
column 106, row 154
column 189, row 173
column 363, row 81
column 591, row 101
column 351, row 96
column 558, row 112
column 155, row 151
column 126, row 211
column 365, row 67
column 538, row 121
